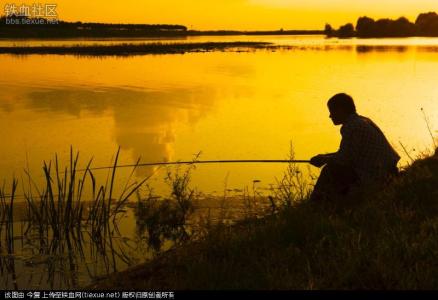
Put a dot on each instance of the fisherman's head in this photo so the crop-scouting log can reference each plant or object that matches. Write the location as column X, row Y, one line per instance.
column 341, row 106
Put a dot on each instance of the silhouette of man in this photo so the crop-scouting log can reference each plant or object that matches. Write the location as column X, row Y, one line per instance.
column 364, row 156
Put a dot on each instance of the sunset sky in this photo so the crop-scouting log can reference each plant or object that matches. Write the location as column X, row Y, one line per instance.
column 236, row 14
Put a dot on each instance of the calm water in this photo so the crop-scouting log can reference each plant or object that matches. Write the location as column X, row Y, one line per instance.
column 226, row 105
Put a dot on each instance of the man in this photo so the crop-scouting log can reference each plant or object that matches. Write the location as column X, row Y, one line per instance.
column 364, row 156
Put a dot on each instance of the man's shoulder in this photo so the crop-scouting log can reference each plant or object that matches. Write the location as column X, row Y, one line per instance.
column 359, row 125
column 355, row 122
column 359, row 121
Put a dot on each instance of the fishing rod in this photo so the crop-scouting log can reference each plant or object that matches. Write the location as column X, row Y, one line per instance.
column 200, row 162
column 191, row 163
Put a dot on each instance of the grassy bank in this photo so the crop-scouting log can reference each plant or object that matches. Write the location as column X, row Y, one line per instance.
column 384, row 239
column 134, row 49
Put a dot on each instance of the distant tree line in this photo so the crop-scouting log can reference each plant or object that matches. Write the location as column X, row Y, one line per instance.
column 426, row 24
column 24, row 27
column 21, row 26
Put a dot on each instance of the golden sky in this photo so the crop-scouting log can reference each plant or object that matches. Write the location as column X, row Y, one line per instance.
column 236, row 14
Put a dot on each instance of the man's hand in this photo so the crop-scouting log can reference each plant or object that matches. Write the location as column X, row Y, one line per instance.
column 319, row 160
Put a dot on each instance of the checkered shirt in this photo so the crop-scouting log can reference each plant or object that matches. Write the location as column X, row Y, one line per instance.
column 365, row 148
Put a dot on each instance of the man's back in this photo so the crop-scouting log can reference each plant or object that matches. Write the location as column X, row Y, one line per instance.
column 365, row 148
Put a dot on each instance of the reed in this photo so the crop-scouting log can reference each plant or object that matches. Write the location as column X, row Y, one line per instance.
column 167, row 219
column 61, row 219
column 293, row 187
column 7, row 218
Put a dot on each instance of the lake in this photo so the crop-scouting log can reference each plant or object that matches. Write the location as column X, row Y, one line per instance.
column 220, row 105
column 226, row 105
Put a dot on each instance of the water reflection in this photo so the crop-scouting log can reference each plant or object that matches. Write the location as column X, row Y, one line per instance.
column 144, row 120
column 227, row 105
column 289, row 40
column 45, row 262
column 368, row 48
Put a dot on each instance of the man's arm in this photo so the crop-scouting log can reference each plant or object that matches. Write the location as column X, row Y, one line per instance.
column 348, row 150
column 321, row 159
column 354, row 139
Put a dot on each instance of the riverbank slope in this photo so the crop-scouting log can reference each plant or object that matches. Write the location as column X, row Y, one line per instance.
column 387, row 239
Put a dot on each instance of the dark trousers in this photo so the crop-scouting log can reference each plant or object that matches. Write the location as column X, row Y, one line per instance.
column 333, row 183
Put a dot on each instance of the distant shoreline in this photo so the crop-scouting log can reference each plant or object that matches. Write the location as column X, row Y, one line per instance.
column 176, row 34
column 134, row 49
column 262, row 32
column 19, row 27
